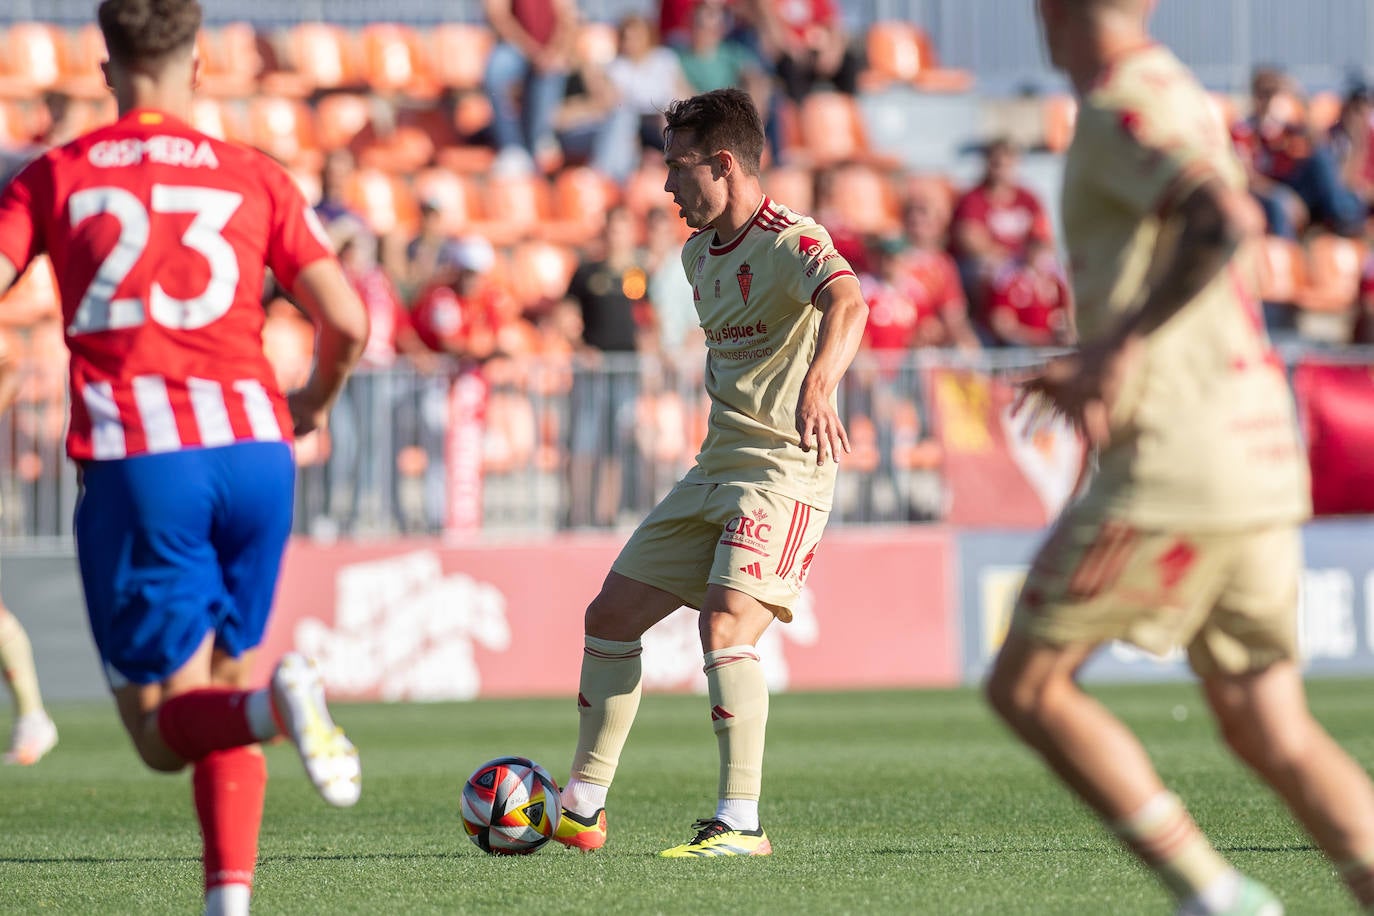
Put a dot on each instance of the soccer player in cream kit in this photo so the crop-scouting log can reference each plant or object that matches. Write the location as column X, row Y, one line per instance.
column 783, row 316
column 1188, row 533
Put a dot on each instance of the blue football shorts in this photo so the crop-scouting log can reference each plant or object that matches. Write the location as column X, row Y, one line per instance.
column 176, row 545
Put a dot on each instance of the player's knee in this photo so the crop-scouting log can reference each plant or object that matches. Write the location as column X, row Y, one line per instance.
column 1269, row 752
column 159, row 758
column 607, row 618
column 1017, row 697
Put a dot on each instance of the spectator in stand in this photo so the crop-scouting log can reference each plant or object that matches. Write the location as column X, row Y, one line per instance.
column 807, row 43
column 338, row 167
column 464, row 314
column 422, row 253
column 531, row 61
column 646, row 77
column 997, row 223
column 1028, row 305
column 676, row 325
column 610, row 289
column 1291, row 177
column 710, row 60
column 1350, row 143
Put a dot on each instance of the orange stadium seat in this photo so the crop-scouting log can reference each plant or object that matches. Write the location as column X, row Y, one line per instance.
column 454, row 194
column 1058, row 114
column 458, row 54
column 540, row 271
column 831, row 130
column 1282, row 270
column 84, row 52
column 230, row 61
column 16, row 127
column 792, row 186
column 1323, row 111
column 932, row 76
column 30, row 59
column 597, row 43
column 383, row 200
column 866, row 200
column 581, row 197
column 393, row 61
column 644, row 189
column 1333, row 273
column 894, row 53
column 217, row 118
column 339, row 117
column 284, row 129
column 513, row 207
column 317, row 56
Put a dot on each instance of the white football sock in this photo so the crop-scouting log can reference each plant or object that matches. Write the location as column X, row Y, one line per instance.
column 583, row 798
column 258, row 710
column 739, row 813
column 227, row 900
column 1217, row 897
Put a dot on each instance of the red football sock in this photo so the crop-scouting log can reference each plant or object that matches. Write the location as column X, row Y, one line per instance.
column 229, row 787
column 200, row 722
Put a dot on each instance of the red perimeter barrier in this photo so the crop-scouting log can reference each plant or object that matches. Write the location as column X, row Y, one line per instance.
column 1336, row 403
column 418, row 620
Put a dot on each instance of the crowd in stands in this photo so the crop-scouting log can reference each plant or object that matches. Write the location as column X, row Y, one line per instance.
column 495, row 194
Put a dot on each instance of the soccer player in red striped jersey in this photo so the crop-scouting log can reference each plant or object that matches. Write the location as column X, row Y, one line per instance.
column 159, row 237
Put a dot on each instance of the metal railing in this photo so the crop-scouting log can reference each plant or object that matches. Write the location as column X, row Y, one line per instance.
column 537, row 447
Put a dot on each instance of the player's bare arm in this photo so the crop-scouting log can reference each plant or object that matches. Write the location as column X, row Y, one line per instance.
column 844, row 314
column 341, row 326
column 1214, row 222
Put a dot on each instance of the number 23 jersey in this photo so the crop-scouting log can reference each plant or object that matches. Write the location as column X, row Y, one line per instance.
column 159, row 238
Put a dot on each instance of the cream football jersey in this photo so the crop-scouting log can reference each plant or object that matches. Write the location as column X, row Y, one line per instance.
column 756, row 297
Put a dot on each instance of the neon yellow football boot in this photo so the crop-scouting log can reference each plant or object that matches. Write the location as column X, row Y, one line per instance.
column 717, row 838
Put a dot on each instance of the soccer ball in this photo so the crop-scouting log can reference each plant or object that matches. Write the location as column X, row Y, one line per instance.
column 510, row 806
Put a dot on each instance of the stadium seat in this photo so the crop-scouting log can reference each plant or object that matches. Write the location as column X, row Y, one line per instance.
column 393, row 61
column 643, row 190
column 16, row 127
column 317, row 56
column 513, row 206
column 894, row 54
column 1333, row 273
column 458, row 54
column 1323, row 111
column 792, row 186
column 597, row 43
column 865, row 199
column 230, row 60
column 30, row 59
column 831, row 130
column 212, row 116
column 383, row 200
column 581, row 197
column 540, row 271
column 1058, row 114
column 339, row 117
column 284, row 129
column 454, row 194
column 1282, row 270
column 932, row 76
column 83, row 53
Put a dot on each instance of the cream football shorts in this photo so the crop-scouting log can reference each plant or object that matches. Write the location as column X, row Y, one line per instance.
column 737, row 535
column 1229, row 598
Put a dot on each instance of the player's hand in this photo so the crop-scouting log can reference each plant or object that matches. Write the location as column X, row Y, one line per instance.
column 307, row 414
column 820, row 427
column 1085, row 386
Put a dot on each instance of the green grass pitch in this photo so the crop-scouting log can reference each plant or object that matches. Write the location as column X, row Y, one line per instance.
column 877, row 803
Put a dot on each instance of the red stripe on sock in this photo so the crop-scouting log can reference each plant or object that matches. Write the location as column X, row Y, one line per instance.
column 229, row 787
column 200, row 722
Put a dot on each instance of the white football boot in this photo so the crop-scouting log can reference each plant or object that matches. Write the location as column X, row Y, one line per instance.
column 33, row 736
column 331, row 760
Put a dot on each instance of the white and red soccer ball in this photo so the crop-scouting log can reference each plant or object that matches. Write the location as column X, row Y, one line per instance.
column 510, row 806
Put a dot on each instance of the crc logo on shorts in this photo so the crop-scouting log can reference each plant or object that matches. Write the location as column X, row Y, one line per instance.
column 748, row 531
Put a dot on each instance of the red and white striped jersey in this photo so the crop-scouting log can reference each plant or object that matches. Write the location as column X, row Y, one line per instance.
column 160, row 237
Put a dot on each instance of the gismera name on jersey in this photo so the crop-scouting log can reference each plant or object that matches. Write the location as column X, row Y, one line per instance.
column 160, row 149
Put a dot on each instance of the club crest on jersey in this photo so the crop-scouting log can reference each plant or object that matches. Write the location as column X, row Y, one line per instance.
column 745, row 278
column 701, row 264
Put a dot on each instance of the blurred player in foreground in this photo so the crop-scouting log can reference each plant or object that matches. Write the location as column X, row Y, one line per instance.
column 34, row 733
column 1188, row 534
column 784, row 317
column 158, row 236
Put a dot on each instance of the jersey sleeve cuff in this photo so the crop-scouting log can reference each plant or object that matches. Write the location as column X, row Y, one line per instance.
column 828, row 280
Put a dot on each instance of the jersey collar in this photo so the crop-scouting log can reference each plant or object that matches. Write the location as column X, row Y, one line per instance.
column 731, row 245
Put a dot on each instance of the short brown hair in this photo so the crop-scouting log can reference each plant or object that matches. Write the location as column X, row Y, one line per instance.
column 147, row 31
column 721, row 119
